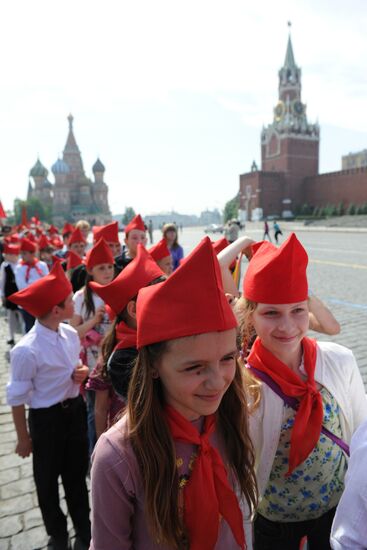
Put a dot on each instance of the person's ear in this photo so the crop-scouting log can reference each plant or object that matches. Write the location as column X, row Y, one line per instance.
column 131, row 309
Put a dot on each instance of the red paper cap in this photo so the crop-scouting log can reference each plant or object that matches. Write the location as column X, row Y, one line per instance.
column 159, row 250
column 99, row 254
column 68, row 228
column 191, row 301
column 73, row 260
column 43, row 242
column 14, row 238
column 277, row 275
column 27, row 246
column 57, row 242
column 31, row 237
column 41, row 296
column 220, row 245
column 136, row 223
column 53, row 230
column 12, row 249
column 109, row 232
column 137, row 274
column 76, row 237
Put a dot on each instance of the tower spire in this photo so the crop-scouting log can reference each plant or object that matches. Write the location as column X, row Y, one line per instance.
column 71, row 154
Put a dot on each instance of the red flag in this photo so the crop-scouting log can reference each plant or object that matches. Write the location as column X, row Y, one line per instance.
column 2, row 211
column 24, row 216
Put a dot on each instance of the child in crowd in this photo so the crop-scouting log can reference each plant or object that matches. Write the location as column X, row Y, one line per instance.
column 90, row 318
column 110, row 233
column 135, row 234
column 111, row 378
column 171, row 237
column 308, row 399
column 8, row 286
column 77, row 244
column 161, row 254
column 46, row 251
column 177, row 469
column 27, row 271
column 45, row 374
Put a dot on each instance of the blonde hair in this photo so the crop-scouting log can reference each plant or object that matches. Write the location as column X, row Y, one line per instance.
column 82, row 224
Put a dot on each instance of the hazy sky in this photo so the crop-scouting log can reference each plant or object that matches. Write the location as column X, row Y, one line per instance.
column 172, row 95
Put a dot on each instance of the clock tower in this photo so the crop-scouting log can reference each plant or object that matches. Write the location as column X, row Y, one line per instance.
column 290, row 145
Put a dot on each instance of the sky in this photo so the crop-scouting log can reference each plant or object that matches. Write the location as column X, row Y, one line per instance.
column 172, row 95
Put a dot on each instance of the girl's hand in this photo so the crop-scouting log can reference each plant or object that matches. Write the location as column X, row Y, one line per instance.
column 80, row 374
column 98, row 316
column 24, row 447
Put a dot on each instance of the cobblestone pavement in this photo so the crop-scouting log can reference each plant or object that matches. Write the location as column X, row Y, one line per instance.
column 337, row 274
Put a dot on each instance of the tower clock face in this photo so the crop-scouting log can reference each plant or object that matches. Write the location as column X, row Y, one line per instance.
column 279, row 111
column 298, row 107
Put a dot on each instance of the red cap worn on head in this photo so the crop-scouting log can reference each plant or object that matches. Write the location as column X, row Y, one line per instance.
column 137, row 274
column 191, row 301
column 68, row 228
column 109, row 232
column 53, row 230
column 12, row 249
column 31, row 237
column 43, row 242
column 220, row 245
column 76, row 237
column 277, row 275
column 57, row 242
column 73, row 260
column 14, row 238
column 99, row 254
column 136, row 223
column 27, row 246
column 41, row 296
column 159, row 250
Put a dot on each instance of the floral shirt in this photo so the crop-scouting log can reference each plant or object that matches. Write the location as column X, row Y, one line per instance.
column 316, row 485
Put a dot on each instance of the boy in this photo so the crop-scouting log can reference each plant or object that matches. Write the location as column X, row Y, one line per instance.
column 46, row 374
column 135, row 233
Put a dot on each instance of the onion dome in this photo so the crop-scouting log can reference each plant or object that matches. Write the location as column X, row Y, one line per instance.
column 38, row 170
column 60, row 167
column 98, row 167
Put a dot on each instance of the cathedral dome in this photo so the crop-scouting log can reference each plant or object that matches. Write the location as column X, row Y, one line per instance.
column 98, row 167
column 60, row 167
column 38, row 170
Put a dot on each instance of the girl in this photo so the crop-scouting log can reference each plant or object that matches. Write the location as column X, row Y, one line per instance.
column 110, row 379
column 161, row 254
column 90, row 318
column 8, row 286
column 171, row 237
column 309, row 399
column 174, row 471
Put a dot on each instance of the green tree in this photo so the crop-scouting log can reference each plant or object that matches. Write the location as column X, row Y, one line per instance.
column 351, row 210
column 231, row 208
column 128, row 215
column 340, row 209
column 34, row 207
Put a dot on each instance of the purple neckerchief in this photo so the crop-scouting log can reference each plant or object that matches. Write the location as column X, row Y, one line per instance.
column 293, row 402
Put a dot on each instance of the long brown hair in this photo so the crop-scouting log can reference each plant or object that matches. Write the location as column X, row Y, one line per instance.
column 154, row 448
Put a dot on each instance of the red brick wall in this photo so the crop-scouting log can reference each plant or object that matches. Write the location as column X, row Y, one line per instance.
column 347, row 186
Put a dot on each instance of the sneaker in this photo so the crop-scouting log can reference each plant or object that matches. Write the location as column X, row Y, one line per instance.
column 58, row 544
column 10, row 342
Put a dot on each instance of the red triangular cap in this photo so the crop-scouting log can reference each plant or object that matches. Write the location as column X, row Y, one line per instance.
column 191, row 301
column 136, row 223
column 109, row 232
column 277, row 275
column 12, row 249
column 56, row 242
column 76, row 237
column 159, row 250
column 137, row 274
column 220, row 245
column 43, row 242
column 27, row 245
column 39, row 297
column 53, row 230
column 73, row 260
column 2, row 211
column 68, row 228
column 99, row 254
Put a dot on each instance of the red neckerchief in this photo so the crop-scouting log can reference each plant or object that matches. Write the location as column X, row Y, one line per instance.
column 30, row 265
column 125, row 335
column 207, row 495
column 309, row 416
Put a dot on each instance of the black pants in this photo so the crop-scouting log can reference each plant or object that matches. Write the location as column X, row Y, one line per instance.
column 28, row 319
column 275, row 535
column 60, row 448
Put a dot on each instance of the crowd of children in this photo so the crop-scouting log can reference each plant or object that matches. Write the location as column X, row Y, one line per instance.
column 209, row 417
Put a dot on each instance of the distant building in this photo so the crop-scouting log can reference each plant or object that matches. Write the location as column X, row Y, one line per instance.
column 289, row 177
column 210, row 216
column 73, row 195
column 355, row 160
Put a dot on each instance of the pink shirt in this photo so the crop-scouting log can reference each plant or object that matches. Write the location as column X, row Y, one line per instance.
column 118, row 512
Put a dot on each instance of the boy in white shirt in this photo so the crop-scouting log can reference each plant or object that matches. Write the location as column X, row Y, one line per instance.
column 46, row 375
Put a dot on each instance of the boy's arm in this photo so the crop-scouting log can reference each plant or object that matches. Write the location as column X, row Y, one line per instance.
column 24, row 444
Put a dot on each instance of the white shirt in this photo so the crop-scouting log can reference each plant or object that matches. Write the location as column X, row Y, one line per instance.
column 41, row 366
column 21, row 270
column 349, row 531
